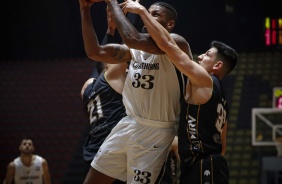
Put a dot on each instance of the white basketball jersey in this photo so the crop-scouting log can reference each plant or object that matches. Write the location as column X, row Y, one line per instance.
column 153, row 87
column 29, row 175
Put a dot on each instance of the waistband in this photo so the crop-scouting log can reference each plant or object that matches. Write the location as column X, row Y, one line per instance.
column 152, row 123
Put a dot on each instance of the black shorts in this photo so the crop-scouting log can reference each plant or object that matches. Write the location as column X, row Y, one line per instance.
column 208, row 170
column 95, row 138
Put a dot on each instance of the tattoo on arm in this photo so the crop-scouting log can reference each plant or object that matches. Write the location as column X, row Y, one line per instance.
column 120, row 54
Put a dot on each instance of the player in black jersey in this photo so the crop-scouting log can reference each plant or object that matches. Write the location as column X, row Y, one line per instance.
column 102, row 99
column 203, row 121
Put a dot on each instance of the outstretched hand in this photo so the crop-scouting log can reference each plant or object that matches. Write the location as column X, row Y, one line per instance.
column 130, row 6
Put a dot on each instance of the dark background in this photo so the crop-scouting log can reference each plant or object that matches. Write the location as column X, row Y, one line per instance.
column 51, row 28
column 43, row 67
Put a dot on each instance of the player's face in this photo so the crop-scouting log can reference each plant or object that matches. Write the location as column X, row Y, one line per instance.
column 26, row 146
column 159, row 14
column 208, row 59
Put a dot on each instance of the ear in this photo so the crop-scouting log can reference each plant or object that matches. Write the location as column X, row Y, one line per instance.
column 171, row 24
column 218, row 65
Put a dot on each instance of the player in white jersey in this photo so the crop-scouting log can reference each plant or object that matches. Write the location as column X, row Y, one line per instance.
column 28, row 168
column 157, row 84
column 32, row 174
column 137, row 147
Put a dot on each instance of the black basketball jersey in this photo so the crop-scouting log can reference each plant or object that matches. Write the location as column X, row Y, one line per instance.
column 102, row 103
column 105, row 109
column 201, row 126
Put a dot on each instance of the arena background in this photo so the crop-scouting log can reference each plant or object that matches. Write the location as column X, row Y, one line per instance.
column 43, row 67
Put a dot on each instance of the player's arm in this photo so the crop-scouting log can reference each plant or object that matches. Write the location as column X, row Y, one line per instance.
column 10, row 173
column 109, row 53
column 133, row 38
column 174, row 149
column 130, row 36
column 115, row 75
column 110, row 36
column 46, row 172
column 196, row 73
column 223, row 138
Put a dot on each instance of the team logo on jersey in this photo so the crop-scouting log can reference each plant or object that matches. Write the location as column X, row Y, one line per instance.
column 207, row 178
column 207, row 173
column 146, row 66
column 192, row 133
column 216, row 138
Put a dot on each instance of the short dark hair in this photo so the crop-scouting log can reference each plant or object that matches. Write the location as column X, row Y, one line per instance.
column 25, row 137
column 227, row 54
column 171, row 12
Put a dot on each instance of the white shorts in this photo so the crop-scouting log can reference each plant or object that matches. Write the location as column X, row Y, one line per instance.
column 135, row 150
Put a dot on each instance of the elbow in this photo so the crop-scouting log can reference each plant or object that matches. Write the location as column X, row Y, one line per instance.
column 92, row 54
column 132, row 40
column 94, row 57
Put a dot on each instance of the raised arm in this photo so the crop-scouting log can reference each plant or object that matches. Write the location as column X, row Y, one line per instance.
column 130, row 36
column 133, row 38
column 196, row 73
column 109, row 53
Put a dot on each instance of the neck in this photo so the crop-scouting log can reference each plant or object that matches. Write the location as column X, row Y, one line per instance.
column 26, row 159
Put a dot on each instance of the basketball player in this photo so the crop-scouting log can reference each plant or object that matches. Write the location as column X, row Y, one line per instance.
column 28, row 168
column 136, row 149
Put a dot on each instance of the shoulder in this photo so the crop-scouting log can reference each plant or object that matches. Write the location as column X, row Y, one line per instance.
column 11, row 166
column 44, row 162
column 40, row 159
column 178, row 37
column 16, row 161
column 182, row 44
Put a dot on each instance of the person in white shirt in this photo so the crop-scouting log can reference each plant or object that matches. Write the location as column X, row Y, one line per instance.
column 28, row 168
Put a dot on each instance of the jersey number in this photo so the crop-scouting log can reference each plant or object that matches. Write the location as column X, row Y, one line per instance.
column 221, row 117
column 143, row 177
column 143, row 81
column 95, row 109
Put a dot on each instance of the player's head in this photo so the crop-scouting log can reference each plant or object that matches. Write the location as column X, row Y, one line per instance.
column 26, row 146
column 164, row 13
column 219, row 60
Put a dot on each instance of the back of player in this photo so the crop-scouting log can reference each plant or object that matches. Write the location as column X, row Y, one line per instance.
column 32, row 174
column 105, row 108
